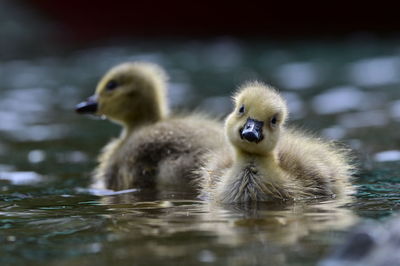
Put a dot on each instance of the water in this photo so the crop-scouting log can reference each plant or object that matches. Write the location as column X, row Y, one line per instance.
column 59, row 224
column 343, row 89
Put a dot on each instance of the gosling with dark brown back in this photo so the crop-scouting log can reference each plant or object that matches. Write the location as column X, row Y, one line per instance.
column 154, row 150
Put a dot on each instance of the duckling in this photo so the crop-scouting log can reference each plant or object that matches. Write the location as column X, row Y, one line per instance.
column 267, row 161
column 154, row 150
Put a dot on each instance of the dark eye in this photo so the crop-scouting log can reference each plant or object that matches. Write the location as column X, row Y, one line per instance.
column 111, row 85
column 274, row 121
column 241, row 109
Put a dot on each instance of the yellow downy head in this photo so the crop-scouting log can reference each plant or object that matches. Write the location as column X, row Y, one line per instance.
column 257, row 119
column 130, row 94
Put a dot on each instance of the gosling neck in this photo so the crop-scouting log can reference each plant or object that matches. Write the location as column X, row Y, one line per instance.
column 145, row 116
column 267, row 164
column 270, row 158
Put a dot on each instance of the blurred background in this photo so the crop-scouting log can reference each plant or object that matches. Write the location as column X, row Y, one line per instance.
column 337, row 66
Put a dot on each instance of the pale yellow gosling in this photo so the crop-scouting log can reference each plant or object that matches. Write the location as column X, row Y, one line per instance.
column 266, row 160
column 154, row 150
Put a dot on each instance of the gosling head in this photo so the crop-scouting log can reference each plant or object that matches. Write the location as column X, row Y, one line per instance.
column 129, row 94
column 259, row 115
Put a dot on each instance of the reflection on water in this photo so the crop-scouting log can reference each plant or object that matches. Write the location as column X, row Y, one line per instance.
column 387, row 156
column 364, row 119
column 149, row 228
column 36, row 156
column 338, row 100
column 395, row 110
column 370, row 244
column 298, row 75
column 375, row 71
column 65, row 225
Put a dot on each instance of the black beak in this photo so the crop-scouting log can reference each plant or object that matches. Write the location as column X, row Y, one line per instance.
column 87, row 107
column 252, row 131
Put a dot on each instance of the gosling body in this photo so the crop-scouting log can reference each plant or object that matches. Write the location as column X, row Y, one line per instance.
column 161, row 155
column 267, row 161
column 154, row 150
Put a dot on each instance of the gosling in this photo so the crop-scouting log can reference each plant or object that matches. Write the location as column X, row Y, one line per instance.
column 267, row 161
column 154, row 150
